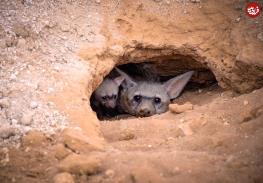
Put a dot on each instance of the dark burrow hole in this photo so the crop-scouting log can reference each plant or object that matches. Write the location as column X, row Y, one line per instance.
column 107, row 99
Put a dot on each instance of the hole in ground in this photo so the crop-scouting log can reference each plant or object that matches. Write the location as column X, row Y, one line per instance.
column 109, row 99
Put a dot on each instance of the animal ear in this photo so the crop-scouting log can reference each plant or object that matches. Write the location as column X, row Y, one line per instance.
column 176, row 85
column 118, row 80
column 128, row 81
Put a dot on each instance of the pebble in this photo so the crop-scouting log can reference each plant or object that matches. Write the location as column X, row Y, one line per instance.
column 26, row 119
column 6, row 131
column 65, row 28
column 195, row 1
column 4, row 103
column 13, row 77
column 63, row 178
column 33, row 105
column 97, row 1
column 167, row 2
column 175, row 108
column 238, row 19
column 245, row 102
column 14, row 121
column 60, row 151
column 109, row 173
column 21, row 43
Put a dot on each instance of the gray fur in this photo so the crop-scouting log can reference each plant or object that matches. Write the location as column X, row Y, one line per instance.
column 104, row 99
column 150, row 93
column 107, row 92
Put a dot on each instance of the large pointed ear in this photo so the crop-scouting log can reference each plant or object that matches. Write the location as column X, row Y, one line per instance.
column 118, row 80
column 176, row 85
column 128, row 81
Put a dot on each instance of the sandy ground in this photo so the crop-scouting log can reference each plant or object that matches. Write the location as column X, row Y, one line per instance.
column 48, row 132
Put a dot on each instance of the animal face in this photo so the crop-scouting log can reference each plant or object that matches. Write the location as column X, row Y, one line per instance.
column 146, row 99
column 107, row 93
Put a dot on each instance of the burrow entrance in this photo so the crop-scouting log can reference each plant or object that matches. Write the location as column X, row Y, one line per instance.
column 158, row 69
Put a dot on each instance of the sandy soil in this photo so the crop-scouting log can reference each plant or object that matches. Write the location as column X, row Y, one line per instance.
column 48, row 132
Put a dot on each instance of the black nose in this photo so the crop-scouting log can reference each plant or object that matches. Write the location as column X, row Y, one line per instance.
column 144, row 112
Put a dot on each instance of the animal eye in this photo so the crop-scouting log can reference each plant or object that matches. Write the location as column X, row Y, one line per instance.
column 157, row 100
column 114, row 96
column 137, row 98
column 104, row 97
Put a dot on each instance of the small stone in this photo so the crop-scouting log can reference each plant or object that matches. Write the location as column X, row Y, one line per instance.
column 226, row 123
column 14, row 121
column 245, row 102
column 182, row 120
column 60, row 151
column 238, row 19
column 21, row 43
column 13, row 77
column 97, row 1
column 109, row 173
column 33, row 105
column 80, row 164
column 149, row 145
column 6, row 131
column 26, row 119
column 50, row 90
column 126, row 136
column 63, row 178
column 260, row 36
column 175, row 108
column 167, row 2
column 195, row 1
column 4, row 103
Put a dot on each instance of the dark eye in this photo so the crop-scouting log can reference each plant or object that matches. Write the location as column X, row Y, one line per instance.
column 137, row 98
column 104, row 97
column 157, row 100
column 114, row 96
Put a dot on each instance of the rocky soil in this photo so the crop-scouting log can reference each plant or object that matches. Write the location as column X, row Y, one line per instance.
column 54, row 54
